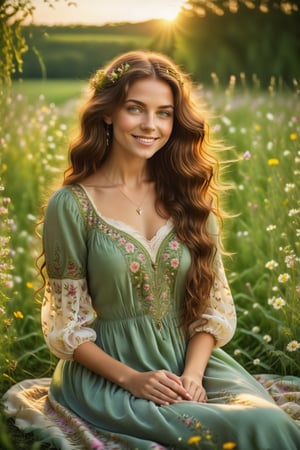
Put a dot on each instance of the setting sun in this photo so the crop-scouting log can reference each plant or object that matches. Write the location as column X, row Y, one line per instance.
column 170, row 11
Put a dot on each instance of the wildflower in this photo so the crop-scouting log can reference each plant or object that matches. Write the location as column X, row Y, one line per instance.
column 226, row 120
column 293, row 346
column 293, row 212
column 271, row 264
column 289, row 187
column 290, row 261
column 237, row 352
column 278, row 303
column 269, row 145
column 256, row 362
column 293, row 136
column 31, row 217
column 228, row 445
column 194, row 440
column 267, row 338
column 29, row 285
column 273, row 162
column 286, row 153
column 271, row 227
column 255, row 329
column 247, row 155
column 270, row 116
column 284, row 277
column 18, row 315
column 257, row 127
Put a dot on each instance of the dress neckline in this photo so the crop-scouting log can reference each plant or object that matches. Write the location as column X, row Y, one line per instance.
column 153, row 242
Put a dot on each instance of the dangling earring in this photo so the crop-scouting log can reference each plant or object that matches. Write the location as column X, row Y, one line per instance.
column 107, row 136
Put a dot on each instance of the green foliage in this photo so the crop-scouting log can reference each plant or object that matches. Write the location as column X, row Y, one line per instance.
column 12, row 42
column 244, row 41
column 264, row 271
column 219, row 7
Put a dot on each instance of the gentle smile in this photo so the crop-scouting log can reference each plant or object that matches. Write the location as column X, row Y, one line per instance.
column 145, row 140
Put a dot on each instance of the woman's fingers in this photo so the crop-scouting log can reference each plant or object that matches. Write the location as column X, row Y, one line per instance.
column 167, row 387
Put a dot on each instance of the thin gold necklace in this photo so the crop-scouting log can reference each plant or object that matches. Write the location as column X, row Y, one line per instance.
column 138, row 208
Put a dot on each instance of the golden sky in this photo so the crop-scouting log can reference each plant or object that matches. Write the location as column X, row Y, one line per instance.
column 98, row 12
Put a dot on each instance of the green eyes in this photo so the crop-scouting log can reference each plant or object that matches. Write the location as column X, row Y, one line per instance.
column 138, row 110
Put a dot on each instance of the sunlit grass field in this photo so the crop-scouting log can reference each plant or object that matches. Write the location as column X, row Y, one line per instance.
column 261, row 127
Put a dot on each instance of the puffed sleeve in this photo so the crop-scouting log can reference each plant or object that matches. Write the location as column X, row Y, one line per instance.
column 67, row 307
column 220, row 316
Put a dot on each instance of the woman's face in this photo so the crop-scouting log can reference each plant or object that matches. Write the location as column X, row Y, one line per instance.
column 143, row 124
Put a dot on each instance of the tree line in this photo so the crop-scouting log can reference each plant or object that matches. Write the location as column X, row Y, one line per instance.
column 247, row 40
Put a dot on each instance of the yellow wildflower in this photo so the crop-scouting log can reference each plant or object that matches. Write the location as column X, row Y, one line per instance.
column 194, row 440
column 257, row 127
column 18, row 315
column 228, row 445
column 293, row 136
column 29, row 285
column 198, row 425
column 273, row 162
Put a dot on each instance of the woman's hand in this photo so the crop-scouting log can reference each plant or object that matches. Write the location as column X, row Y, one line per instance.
column 160, row 386
column 193, row 385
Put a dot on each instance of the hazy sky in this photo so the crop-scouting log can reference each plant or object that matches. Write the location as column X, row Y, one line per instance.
column 99, row 12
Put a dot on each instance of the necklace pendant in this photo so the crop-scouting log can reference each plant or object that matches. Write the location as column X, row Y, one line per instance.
column 139, row 211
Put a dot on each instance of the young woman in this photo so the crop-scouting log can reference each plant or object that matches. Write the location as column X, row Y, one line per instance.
column 137, row 303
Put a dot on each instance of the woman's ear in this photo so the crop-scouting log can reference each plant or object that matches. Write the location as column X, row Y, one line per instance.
column 107, row 120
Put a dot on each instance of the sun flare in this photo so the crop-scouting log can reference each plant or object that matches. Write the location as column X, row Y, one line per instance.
column 171, row 10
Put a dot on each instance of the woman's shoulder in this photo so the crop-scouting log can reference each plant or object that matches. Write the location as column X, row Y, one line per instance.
column 69, row 197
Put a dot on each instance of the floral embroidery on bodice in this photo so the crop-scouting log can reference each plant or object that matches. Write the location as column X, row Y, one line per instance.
column 152, row 277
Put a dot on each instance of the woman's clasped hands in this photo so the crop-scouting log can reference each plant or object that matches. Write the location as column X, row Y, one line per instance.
column 164, row 388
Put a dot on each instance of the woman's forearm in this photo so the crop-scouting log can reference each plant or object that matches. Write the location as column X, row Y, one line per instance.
column 98, row 361
column 198, row 353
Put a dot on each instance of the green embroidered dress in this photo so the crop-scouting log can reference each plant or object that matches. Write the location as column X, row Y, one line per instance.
column 110, row 285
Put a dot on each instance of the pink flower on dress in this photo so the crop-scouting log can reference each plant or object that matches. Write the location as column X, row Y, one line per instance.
column 174, row 262
column 146, row 287
column 165, row 256
column 122, row 241
column 134, row 266
column 174, row 245
column 142, row 257
column 71, row 290
column 129, row 247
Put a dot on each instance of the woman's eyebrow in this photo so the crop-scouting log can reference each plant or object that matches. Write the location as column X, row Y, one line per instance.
column 143, row 104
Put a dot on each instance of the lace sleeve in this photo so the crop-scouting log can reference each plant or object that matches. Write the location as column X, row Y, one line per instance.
column 66, row 312
column 67, row 307
column 219, row 319
column 220, row 316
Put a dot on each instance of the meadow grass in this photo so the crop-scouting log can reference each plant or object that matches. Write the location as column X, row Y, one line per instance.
column 262, row 129
column 92, row 37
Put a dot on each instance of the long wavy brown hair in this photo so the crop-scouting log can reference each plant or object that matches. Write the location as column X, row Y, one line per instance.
column 185, row 170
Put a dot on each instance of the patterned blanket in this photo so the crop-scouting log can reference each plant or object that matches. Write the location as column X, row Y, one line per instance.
column 28, row 403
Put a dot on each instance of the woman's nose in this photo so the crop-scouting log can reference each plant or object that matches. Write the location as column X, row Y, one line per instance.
column 148, row 122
